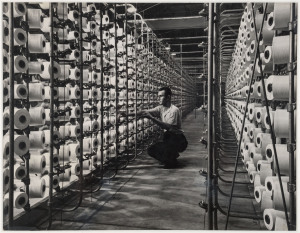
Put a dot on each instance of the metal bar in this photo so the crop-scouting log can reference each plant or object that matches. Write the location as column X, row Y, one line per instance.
column 292, row 173
column 116, row 86
column 11, row 116
column 135, row 55
column 184, row 38
column 214, row 120
column 102, row 92
column 174, row 18
column 181, row 78
column 210, row 119
column 81, row 98
column 126, row 63
column 51, row 117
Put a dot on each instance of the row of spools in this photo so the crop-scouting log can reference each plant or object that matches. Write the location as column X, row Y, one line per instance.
column 138, row 84
column 256, row 148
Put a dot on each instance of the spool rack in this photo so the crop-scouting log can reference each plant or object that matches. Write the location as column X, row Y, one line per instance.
column 69, row 69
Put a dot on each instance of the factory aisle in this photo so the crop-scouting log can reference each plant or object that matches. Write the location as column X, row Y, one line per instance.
column 147, row 196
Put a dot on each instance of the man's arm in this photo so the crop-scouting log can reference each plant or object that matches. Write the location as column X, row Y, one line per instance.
column 160, row 123
column 141, row 113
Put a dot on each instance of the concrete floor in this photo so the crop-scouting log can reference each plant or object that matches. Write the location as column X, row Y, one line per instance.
column 146, row 196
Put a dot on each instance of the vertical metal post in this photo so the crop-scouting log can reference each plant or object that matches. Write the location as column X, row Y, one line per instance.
column 81, row 95
column 126, row 63
column 210, row 117
column 135, row 81
column 214, row 121
column 102, row 90
column 181, row 78
column 51, row 117
column 11, row 120
column 292, row 145
column 116, row 78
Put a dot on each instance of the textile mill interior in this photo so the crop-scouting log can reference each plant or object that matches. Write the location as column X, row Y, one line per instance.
column 149, row 116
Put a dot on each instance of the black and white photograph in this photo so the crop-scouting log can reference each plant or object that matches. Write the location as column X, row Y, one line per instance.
column 141, row 115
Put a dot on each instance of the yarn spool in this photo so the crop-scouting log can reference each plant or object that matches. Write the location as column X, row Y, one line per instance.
column 65, row 71
column 66, row 176
column 21, row 118
column 37, row 116
column 37, row 139
column 257, row 181
column 281, row 49
column 19, row 172
column 55, row 159
column 74, row 130
column 74, row 151
column 74, row 74
column 255, row 157
column 277, row 87
column 270, row 216
column 267, row 60
column 281, row 123
column 254, row 132
column 37, row 187
column 258, row 193
column 87, row 145
column 48, row 92
column 266, row 120
column 258, row 114
column 5, row 209
column 20, row 199
column 75, row 93
column 250, row 167
column 64, row 154
column 34, row 18
column 35, row 67
column 73, row 16
column 21, row 64
column 75, row 168
column 5, row 32
column 36, row 43
column 5, row 180
column 259, row 163
column 271, row 181
column 75, row 112
column 252, row 176
column 20, row 91
column 64, row 93
column 37, row 164
column 20, row 37
column 277, row 196
column 64, row 131
column 55, row 182
column 56, row 137
column 22, row 144
column 86, row 165
column 282, row 155
column 46, row 74
column 265, row 171
column 279, row 19
column 280, row 224
column 262, row 140
column 36, row 92
column 266, row 201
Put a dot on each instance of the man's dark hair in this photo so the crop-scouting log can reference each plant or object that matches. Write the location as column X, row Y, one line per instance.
column 167, row 90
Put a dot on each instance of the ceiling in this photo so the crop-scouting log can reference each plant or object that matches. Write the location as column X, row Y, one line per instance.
column 181, row 26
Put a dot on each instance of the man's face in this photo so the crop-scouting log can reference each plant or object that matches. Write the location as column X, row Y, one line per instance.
column 162, row 98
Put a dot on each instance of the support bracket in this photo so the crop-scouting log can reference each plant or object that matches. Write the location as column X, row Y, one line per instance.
column 291, row 147
column 291, row 107
column 291, row 187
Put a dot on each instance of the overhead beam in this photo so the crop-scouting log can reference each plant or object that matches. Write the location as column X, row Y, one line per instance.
column 184, row 38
